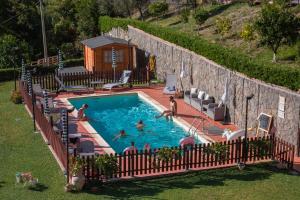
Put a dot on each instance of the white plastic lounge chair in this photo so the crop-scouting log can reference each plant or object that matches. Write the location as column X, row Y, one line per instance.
column 123, row 81
column 63, row 87
column 86, row 148
column 170, row 84
column 233, row 135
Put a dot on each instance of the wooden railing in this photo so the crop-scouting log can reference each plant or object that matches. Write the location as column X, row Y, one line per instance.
column 198, row 157
column 53, row 60
column 138, row 76
column 45, row 126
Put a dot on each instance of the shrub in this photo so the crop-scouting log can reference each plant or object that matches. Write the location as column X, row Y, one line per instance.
column 247, row 32
column 230, row 58
column 223, row 25
column 158, row 8
column 107, row 164
column 298, row 51
column 201, row 15
column 7, row 74
column 16, row 97
column 184, row 15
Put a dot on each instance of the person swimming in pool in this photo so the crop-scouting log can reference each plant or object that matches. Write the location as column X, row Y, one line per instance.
column 172, row 111
column 140, row 125
column 121, row 134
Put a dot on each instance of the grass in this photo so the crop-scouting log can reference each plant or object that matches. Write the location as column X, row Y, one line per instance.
column 22, row 150
column 239, row 14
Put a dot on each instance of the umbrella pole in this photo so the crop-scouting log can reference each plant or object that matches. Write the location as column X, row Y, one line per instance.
column 114, row 74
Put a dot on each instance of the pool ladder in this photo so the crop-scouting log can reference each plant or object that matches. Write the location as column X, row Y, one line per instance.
column 195, row 125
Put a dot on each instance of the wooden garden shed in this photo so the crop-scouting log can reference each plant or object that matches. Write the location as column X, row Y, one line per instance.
column 98, row 54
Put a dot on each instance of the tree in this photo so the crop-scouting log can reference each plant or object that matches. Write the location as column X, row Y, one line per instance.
column 201, row 15
column 87, row 18
column 12, row 50
column 276, row 26
column 141, row 5
column 158, row 8
column 63, row 21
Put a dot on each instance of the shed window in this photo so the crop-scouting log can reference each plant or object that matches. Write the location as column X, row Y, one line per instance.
column 119, row 56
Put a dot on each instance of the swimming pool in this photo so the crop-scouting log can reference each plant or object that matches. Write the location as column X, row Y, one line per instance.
column 108, row 114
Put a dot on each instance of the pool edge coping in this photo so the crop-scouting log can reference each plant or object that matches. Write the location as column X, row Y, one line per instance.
column 102, row 142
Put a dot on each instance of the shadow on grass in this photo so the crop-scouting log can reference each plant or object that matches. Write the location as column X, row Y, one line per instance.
column 2, row 183
column 39, row 187
column 175, row 23
column 191, row 180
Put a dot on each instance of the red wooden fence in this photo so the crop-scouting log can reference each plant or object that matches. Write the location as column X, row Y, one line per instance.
column 199, row 156
column 138, row 76
column 44, row 124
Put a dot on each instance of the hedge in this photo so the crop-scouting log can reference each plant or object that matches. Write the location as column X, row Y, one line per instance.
column 8, row 74
column 232, row 59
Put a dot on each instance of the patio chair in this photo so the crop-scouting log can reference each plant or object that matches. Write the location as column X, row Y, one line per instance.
column 86, row 148
column 216, row 111
column 77, row 88
column 122, row 81
column 201, row 100
column 170, row 87
column 190, row 94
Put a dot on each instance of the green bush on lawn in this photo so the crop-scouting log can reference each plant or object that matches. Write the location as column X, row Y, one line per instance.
column 232, row 59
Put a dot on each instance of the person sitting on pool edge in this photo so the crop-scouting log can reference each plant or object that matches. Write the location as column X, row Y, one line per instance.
column 172, row 111
column 121, row 134
column 140, row 125
column 81, row 116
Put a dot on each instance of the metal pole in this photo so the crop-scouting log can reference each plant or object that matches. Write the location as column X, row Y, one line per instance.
column 67, row 146
column 245, row 149
column 33, row 110
column 15, row 78
column 44, row 34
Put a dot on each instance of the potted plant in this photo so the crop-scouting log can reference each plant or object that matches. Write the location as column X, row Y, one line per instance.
column 220, row 150
column 108, row 165
column 16, row 97
column 166, row 154
column 77, row 179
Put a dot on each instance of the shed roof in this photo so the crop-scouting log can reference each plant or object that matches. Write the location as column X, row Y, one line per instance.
column 102, row 41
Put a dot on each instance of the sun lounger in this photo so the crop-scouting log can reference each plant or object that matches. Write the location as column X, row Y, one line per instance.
column 233, row 135
column 170, row 87
column 38, row 91
column 123, row 81
column 77, row 88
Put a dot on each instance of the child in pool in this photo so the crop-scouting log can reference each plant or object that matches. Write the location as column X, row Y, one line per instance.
column 140, row 125
column 121, row 134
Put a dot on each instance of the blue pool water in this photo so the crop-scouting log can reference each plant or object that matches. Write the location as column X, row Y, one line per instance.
column 110, row 114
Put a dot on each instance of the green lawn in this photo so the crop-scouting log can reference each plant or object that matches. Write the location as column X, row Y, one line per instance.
column 22, row 150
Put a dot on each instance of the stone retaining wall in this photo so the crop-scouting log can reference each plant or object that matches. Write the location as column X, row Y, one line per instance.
column 211, row 77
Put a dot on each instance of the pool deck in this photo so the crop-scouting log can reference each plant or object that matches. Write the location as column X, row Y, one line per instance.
column 186, row 113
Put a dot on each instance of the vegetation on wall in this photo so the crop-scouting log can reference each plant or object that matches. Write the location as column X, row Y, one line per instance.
column 232, row 59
